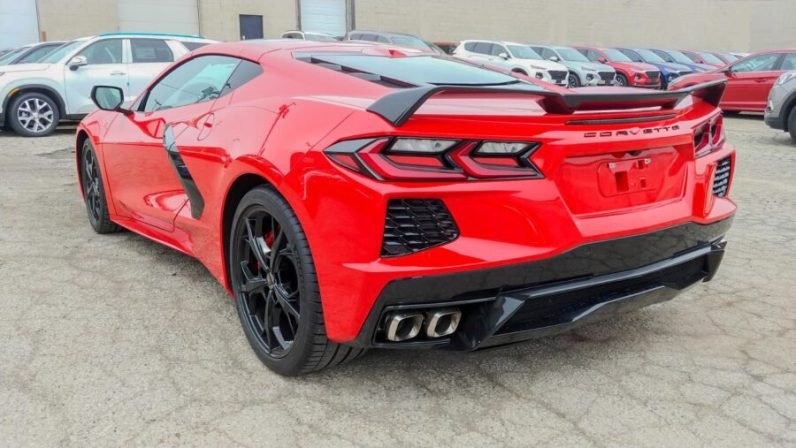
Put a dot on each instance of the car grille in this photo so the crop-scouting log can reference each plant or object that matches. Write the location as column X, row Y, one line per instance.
column 413, row 225
column 654, row 76
column 558, row 75
column 607, row 76
column 721, row 181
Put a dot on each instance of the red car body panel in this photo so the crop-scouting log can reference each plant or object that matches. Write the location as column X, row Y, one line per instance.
column 276, row 128
column 635, row 72
column 746, row 91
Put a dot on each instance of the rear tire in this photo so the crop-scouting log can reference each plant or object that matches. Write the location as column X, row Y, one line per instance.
column 94, row 191
column 792, row 124
column 33, row 114
column 276, row 289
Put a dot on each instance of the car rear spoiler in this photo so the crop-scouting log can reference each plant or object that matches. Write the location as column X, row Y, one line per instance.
column 399, row 106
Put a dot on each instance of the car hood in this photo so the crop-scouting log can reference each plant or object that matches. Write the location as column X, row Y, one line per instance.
column 635, row 66
column 18, row 68
column 589, row 66
column 544, row 64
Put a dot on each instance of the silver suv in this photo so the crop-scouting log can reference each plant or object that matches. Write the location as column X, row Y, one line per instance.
column 35, row 97
column 781, row 107
column 582, row 72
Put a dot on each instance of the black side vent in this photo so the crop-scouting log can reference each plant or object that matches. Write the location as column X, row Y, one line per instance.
column 413, row 225
column 721, row 182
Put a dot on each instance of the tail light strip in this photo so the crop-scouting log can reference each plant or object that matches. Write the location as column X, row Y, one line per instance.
column 461, row 160
column 709, row 136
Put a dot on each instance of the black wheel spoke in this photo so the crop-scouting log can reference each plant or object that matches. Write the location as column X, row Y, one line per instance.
column 266, row 280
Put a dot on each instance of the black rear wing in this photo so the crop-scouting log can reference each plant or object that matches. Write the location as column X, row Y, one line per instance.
column 399, row 106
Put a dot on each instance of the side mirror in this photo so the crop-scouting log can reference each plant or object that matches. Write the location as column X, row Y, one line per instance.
column 554, row 58
column 602, row 60
column 77, row 62
column 109, row 98
column 504, row 56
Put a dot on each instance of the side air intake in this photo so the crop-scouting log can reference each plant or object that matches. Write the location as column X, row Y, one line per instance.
column 413, row 225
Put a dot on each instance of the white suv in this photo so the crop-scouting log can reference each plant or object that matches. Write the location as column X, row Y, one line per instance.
column 35, row 97
column 515, row 57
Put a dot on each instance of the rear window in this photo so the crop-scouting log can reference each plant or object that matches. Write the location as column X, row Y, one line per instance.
column 150, row 51
column 417, row 70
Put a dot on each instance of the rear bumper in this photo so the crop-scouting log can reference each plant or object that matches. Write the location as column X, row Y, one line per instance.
column 528, row 300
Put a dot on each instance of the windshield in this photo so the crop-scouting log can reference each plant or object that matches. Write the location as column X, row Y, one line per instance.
column 649, row 56
column 523, row 52
column 615, row 55
column 710, row 58
column 730, row 57
column 61, row 52
column 679, row 57
column 409, row 41
column 419, row 70
column 571, row 54
column 11, row 55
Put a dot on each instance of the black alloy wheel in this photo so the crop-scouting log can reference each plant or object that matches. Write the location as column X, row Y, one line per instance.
column 272, row 275
column 93, row 191
column 268, row 281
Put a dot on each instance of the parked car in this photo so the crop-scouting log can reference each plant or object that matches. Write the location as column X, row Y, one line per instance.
column 727, row 58
column 450, row 215
column 781, row 108
column 31, row 53
column 749, row 80
column 705, row 58
column 309, row 35
column 36, row 97
column 677, row 57
column 400, row 39
column 628, row 73
column 582, row 72
column 513, row 56
column 669, row 71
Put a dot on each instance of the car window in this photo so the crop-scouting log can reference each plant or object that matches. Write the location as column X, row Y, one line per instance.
column 789, row 62
column 761, row 63
column 709, row 58
column 632, row 55
column 37, row 54
column 150, row 50
column 650, row 56
column 108, row 51
column 244, row 72
column 616, row 55
column 197, row 80
column 470, row 46
column 411, row 42
column 60, row 52
column 523, row 52
column 548, row 53
column 663, row 55
column 570, row 54
column 382, row 39
column 497, row 49
column 191, row 46
column 11, row 55
column 481, row 47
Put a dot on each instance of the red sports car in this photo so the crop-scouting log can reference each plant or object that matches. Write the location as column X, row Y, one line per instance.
column 749, row 80
column 628, row 73
column 351, row 196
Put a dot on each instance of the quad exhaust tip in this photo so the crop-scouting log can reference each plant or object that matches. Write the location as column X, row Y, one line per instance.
column 403, row 326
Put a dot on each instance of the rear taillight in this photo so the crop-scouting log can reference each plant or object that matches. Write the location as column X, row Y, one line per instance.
column 418, row 159
column 709, row 136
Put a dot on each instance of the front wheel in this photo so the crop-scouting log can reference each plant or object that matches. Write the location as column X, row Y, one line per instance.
column 621, row 80
column 33, row 115
column 94, row 191
column 276, row 290
column 573, row 81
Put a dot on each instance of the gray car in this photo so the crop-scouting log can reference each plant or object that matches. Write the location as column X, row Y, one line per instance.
column 781, row 107
column 582, row 72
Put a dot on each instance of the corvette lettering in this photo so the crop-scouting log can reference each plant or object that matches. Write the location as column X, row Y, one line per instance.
column 633, row 131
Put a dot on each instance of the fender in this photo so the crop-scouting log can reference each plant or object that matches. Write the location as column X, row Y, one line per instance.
column 59, row 100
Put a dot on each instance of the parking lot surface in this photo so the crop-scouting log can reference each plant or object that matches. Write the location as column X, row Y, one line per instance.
column 118, row 341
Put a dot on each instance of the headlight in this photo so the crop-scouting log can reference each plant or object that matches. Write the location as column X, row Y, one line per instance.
column 539, row 75
column 781, row 80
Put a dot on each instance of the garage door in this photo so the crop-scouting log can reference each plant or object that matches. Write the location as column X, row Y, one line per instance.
column 326, row 16
column 159, row 16
column 18, row 23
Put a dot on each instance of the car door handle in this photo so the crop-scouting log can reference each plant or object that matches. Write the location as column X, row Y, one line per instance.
column 118, row 73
